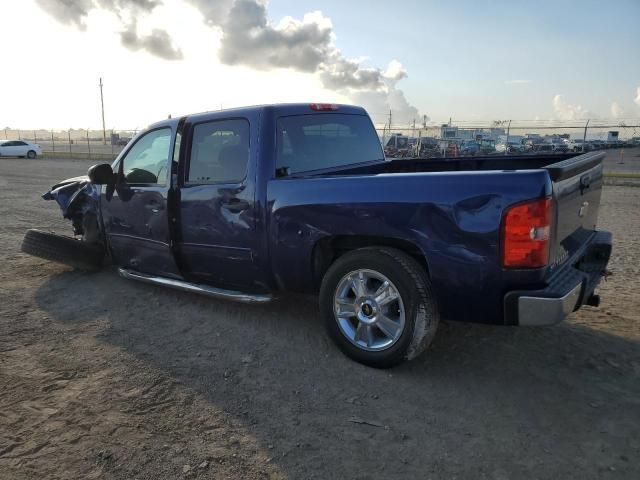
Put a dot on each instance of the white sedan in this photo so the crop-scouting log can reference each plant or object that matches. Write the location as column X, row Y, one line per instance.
column 19, row 148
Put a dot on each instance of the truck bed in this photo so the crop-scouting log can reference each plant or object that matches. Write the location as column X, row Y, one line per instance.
column 451, row 209
column 559, row 166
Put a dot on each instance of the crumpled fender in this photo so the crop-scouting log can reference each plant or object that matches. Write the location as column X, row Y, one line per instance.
column 74, row 196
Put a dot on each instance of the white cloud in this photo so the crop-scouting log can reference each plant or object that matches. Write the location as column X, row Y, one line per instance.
column 616, row 110
column 567, row 111
column 637, row 99
column 248, row 38
column 395, row 71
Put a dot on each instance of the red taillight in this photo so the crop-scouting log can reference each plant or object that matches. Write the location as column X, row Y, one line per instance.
column 324, row 107
column 526, row 232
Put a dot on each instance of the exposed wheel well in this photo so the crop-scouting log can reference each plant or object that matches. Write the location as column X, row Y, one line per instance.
column 328, row 249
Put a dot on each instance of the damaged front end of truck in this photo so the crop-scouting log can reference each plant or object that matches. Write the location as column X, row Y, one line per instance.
column 79, row 201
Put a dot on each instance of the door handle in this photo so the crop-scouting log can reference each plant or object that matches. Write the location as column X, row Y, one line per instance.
column 154, row 207
column 235, row 205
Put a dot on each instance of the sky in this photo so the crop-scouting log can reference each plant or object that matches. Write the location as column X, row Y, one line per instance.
column 469, row 60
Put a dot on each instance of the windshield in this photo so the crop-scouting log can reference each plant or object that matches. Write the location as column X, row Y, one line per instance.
column 319, row 141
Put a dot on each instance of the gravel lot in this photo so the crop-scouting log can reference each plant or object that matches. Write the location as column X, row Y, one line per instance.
column 105, row 378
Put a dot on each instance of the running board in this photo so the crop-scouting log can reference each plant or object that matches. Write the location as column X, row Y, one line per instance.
column 195, row 287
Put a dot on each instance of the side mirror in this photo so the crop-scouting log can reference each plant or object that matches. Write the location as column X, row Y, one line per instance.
column 101, row 174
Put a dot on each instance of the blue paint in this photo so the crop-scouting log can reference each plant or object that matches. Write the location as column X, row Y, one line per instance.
column 264, row 233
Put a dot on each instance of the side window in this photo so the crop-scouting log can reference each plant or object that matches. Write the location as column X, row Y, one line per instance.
column 219, row 152
column 147, row 160
column 19, row 143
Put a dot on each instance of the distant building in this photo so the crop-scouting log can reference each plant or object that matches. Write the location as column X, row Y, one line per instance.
column 457, row 134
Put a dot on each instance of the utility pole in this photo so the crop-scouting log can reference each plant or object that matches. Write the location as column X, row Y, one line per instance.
column 584, row 137
column 506, row 146
column 390, row 122
column 104, row 131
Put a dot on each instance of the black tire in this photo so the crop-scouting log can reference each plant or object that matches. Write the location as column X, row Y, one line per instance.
column 66, row 250
column 31, row 154
column 414, row 287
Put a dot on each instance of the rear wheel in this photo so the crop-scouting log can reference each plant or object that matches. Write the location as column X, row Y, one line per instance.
column 31, row 154
column 67, row 250
column 378, row 306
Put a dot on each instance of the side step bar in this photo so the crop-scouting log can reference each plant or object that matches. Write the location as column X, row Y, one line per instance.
column 195, row 288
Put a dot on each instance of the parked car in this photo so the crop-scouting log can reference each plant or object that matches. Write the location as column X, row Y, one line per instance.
column 487, row 146
column 544, row 148
column 512, row 147
column 561, row 147
column 579, row 145
column 398, row 145
column 426, row 147
column 469, row 148
column 19, row 148
column 251, row 203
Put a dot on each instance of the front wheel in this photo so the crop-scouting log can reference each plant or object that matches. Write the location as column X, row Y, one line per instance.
column 61, row 249
column 378, row 306
column 31, row 154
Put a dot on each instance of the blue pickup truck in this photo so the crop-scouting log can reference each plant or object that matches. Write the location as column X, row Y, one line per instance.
column 248, row 203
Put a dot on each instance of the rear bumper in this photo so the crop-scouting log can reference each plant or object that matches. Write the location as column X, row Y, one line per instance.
column 568, row 288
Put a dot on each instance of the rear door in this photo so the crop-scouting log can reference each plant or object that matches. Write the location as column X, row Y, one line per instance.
column 218, row 240
column 9, row 149
column 135, row 216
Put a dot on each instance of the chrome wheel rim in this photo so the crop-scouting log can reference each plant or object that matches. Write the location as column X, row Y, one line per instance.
column 369, row 310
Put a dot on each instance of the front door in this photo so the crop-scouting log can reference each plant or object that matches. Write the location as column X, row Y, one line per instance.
column 136, row 215
column 218, row 240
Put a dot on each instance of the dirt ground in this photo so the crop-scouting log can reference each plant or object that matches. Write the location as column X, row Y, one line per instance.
column 101, row 377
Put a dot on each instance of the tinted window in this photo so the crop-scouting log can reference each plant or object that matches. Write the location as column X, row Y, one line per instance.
column 313, row 142
column 19, row 143
column 219, row 152
column 146, row 161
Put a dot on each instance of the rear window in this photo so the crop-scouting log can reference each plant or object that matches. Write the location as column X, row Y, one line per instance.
column 314, row 142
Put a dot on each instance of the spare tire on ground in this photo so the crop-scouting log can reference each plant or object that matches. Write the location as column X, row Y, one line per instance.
column 61, row 249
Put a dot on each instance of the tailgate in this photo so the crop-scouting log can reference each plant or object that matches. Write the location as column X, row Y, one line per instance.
column 577, row 184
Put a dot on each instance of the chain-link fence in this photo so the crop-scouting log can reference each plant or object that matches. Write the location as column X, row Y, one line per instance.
column 464, row 138
column 429, row 140
column 73, row 143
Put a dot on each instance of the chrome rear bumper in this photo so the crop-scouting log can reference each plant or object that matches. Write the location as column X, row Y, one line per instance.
column 567, row 289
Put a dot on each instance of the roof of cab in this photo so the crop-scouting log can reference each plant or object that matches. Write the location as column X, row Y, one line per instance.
column 278, row 110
